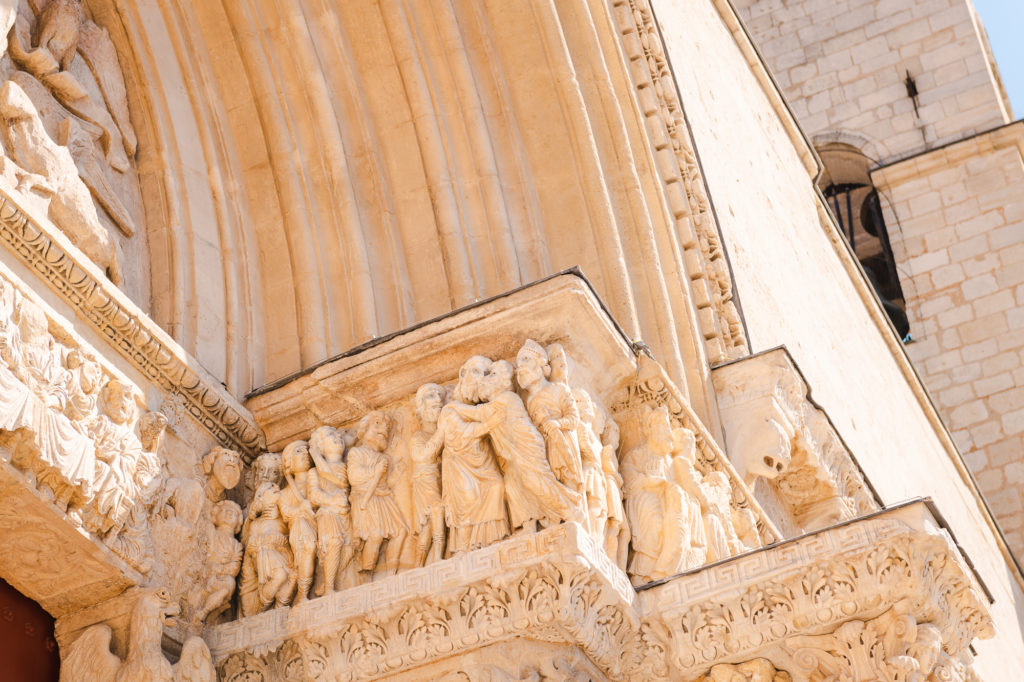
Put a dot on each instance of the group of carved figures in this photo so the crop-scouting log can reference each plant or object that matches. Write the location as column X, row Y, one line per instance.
column 74, row 430
column 66, row 134
column 507, row 450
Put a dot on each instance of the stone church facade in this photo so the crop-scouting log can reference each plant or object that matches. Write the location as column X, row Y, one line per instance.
column 486, row 340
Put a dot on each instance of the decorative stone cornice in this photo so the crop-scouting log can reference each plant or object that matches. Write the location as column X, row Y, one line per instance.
column 556, row 585
column 129, row 330
column 750, row 605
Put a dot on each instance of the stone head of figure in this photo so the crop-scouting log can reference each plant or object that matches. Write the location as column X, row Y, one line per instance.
column 225, row 466
column 658, row 429
column 373, row 430
column 32, row 323
column 559, row 363
column 471, row 378
column 266, row 496
column 327, row 442
column 532, row 366
column 430, row 398
column 227, row 515
column 684, row 443
column 118, row 402
column 151, row 427
column 267, row 468
column 295, row 458
column 498, row 380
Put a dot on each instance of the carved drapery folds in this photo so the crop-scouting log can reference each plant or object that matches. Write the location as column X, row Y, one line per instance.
column 68, row 141
column 775, row 432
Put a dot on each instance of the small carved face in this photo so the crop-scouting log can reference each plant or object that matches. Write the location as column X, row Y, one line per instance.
column 499, row 380
column 227, row 468
column 528, row 370
column 267, row 468
column 227, row 516
column 471, row 378
column 374, row 431
column 90, row 377
column 120, row 405
column 295, row 458
column 429, row 401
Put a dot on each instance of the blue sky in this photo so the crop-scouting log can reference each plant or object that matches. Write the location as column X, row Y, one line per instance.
column 1004, row 21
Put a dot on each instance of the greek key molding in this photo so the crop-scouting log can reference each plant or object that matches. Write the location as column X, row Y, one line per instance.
column 739, row 609
column 136, row 337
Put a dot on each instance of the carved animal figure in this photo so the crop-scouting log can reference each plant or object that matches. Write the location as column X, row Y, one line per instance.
column 58, row 30
column 90, row 658
column 71, row 207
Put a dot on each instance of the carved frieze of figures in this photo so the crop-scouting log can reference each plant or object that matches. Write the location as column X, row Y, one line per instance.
column 507, row 450
column 75, row 430
column 775, row 433
column 67, row 136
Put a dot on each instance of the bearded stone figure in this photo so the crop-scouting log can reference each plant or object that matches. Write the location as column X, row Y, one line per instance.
column 375, row 514
column 668, row 533
column 425, row 449
column 268, row 573
column 553, row 409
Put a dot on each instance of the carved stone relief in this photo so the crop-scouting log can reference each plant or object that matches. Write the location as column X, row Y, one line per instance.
column 68, row 141
column 507, row 449
column 89, row 658
column 775, row 433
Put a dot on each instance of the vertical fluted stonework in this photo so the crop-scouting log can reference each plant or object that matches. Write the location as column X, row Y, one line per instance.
column 367, row 165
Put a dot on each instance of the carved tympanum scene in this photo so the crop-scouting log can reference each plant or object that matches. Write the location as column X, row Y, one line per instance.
column 69, row 145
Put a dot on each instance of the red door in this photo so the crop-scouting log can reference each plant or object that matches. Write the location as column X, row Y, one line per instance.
column 28, row 651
